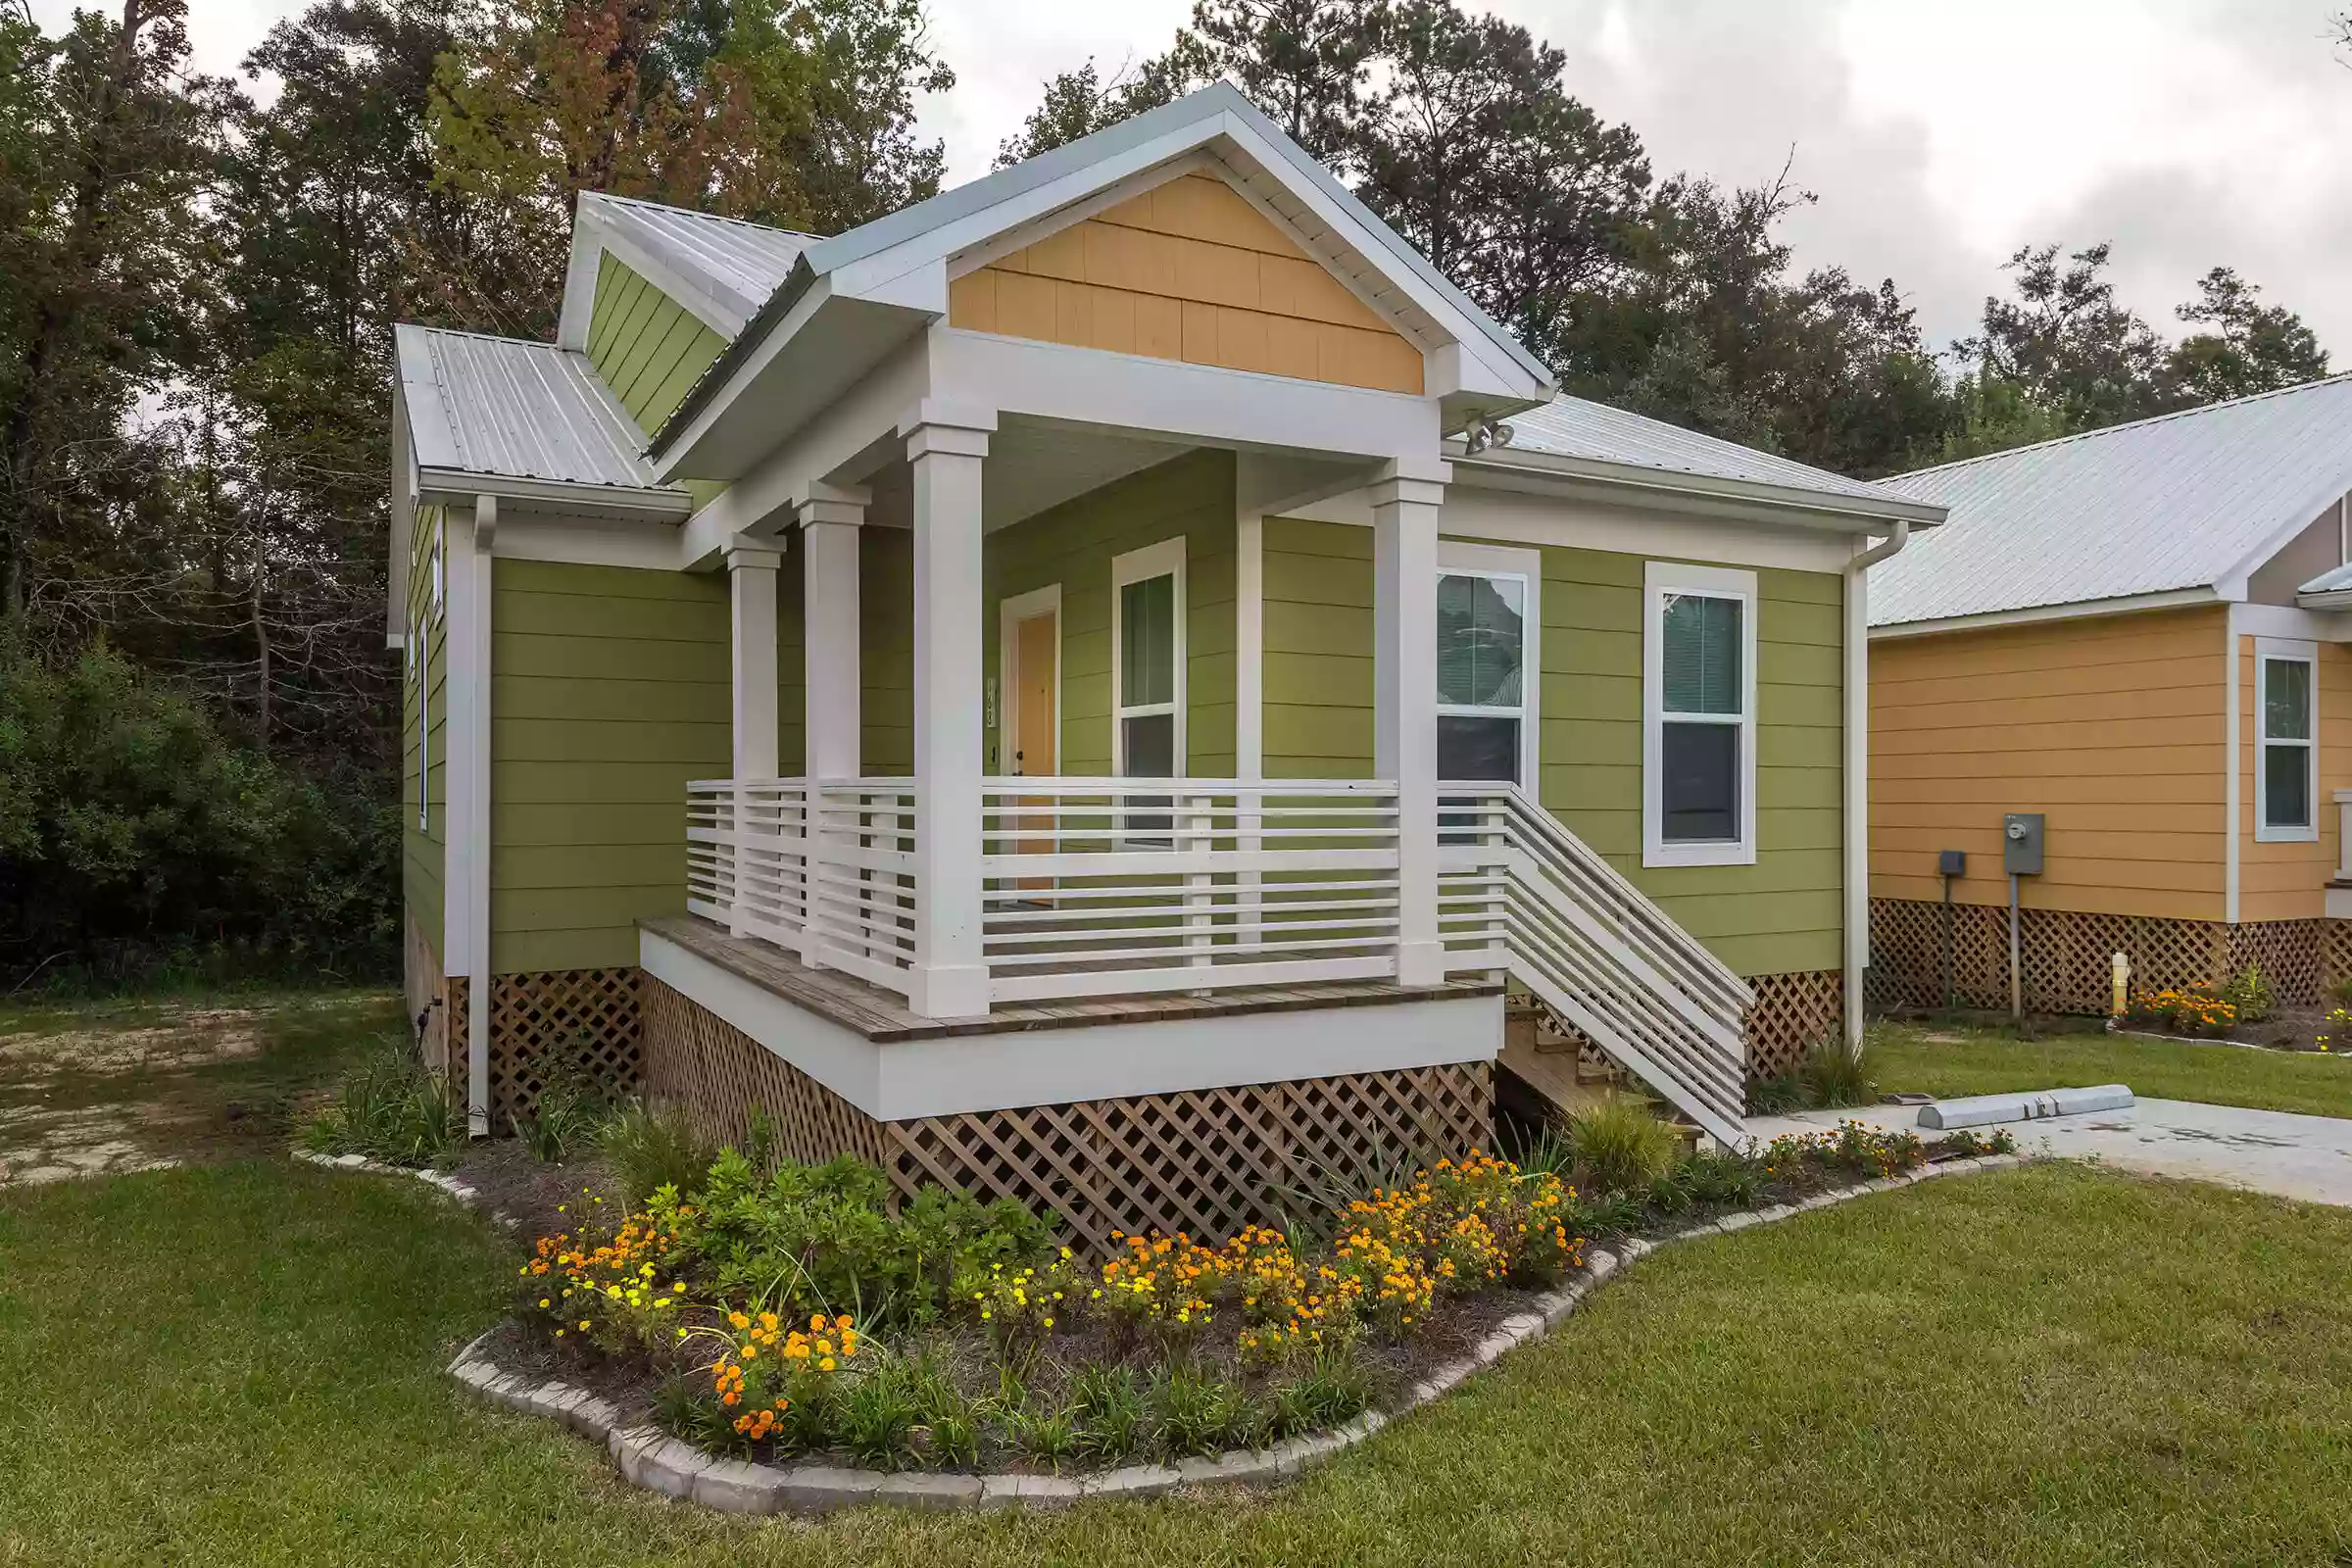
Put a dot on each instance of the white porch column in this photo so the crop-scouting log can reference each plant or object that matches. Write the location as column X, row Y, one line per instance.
column 752, row 641
column 831, row 671
column 751, row 589
column 951, row 980
column 1405, row 552
column 829, row 523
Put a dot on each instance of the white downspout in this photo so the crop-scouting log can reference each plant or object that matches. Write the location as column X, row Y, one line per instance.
column 1857, row 770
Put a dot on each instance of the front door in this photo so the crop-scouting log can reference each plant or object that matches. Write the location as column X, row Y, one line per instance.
column 1036, row 720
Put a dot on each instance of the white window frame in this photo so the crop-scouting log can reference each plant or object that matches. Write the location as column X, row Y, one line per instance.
column 1661, row 579
column 1526, row 567
column 2266, row 652
column 1010, row 613
column 1162, row 560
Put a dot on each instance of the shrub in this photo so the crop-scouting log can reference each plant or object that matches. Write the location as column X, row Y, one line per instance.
column 1017, row 1307
column 1713, row 1176
column 650, row 1150
column 1049, row 1436
column 879, row 1419
column 390, row 1109
column 1620, row 1146
column 1834, row 1074
column 821, row 1237
column 2249, row 993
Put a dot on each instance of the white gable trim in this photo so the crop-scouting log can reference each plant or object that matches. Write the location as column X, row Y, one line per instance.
column 594, row 233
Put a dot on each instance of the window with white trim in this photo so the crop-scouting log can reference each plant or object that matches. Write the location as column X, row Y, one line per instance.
column 1482, row 687
column 1147, row 674
column 2286, row 765
column 1698, row 715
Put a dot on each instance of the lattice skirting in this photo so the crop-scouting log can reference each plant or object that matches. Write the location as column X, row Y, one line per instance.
column 1792, row 1013
column 585, row 1020
column 1204, row 1161
column 2064, row 955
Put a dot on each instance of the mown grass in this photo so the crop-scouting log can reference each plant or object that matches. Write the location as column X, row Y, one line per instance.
column 241, row 1365
column 1962, row 1060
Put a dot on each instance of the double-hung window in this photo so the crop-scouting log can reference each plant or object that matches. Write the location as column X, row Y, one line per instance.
column 1698, row 715
column 1148, row 677
column 1486, row 660
column 2285, row 708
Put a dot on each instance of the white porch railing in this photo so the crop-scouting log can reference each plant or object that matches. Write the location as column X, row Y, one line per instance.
column 1110, row 886
column 824, row 869
column 1102, row 886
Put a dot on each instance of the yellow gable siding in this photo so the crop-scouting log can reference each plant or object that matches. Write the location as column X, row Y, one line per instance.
column 1188, row 270
column 2112, row 726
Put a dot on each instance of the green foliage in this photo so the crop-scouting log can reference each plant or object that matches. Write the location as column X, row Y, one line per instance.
column 1195, row 1411
column 879, row 1417
column 1776, row 1096
column 390, row 1109
column 1110, row 1403
column 568, row 1114
column 130, row 827
column 1333, row 1389
column 1835, row 1074
column 803, row 1239
column 649, row 1148
column 1620, row 1146
column 2249, row 991
column 1049, row 1436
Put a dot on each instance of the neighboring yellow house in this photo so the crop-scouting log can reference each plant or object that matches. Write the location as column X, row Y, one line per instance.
column 2140, row 633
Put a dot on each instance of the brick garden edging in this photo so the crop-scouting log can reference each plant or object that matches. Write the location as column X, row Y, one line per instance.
column 464, row 1196
column 649, row 1459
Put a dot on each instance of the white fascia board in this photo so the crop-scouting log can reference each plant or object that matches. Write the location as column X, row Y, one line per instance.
column 1238, row 409
column 2293, row 621
column 869, row 276
column 2032, row 614
column 764, row 353
column 1826, row 508
column 448, row 486
column 404, row 524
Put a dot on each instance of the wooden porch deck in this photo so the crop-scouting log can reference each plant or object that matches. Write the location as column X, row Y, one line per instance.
column 881, row 1016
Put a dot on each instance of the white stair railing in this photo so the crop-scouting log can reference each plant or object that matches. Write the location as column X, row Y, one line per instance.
column 1520, row 892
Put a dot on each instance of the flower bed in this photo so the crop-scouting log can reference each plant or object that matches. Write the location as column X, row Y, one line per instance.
column 784, row 1313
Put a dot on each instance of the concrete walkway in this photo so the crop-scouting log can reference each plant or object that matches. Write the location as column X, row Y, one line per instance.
column 2309, row 1158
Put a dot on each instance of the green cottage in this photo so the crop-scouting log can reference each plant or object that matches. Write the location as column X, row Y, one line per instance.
column 1115, row 686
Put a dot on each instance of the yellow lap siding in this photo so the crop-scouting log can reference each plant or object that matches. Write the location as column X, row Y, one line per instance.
column 2111, row 726
column 1188, row 270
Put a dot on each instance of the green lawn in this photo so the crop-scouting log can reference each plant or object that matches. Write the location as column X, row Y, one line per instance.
column 1957, row 1060
column 241, row 1365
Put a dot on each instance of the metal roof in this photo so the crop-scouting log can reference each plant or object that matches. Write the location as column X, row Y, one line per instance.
column 1577, row 427
column 2183, row 501
column 493, row 405
column 737, row 264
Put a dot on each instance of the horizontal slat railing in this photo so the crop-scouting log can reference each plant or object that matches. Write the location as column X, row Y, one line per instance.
column 1592, row 947
column 1104, row 886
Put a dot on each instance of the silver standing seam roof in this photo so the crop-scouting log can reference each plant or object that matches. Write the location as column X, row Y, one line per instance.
column 1577, row 427
column 2182, row 501
column 737, row 264
column 495, row 406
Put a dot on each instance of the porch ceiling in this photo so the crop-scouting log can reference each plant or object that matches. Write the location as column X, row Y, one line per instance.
column 1031, row 466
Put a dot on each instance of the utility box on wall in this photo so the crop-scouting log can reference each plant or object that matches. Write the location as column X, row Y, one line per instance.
column 2021, row 843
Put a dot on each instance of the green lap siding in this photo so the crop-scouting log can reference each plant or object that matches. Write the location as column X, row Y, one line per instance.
column 886, row 652
column 1073, row 545
column 608, row 693
column 423, row 716
column 1782, row 913
column 647, row 348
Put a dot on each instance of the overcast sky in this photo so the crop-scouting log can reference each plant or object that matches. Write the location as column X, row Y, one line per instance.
column 1940, row 134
